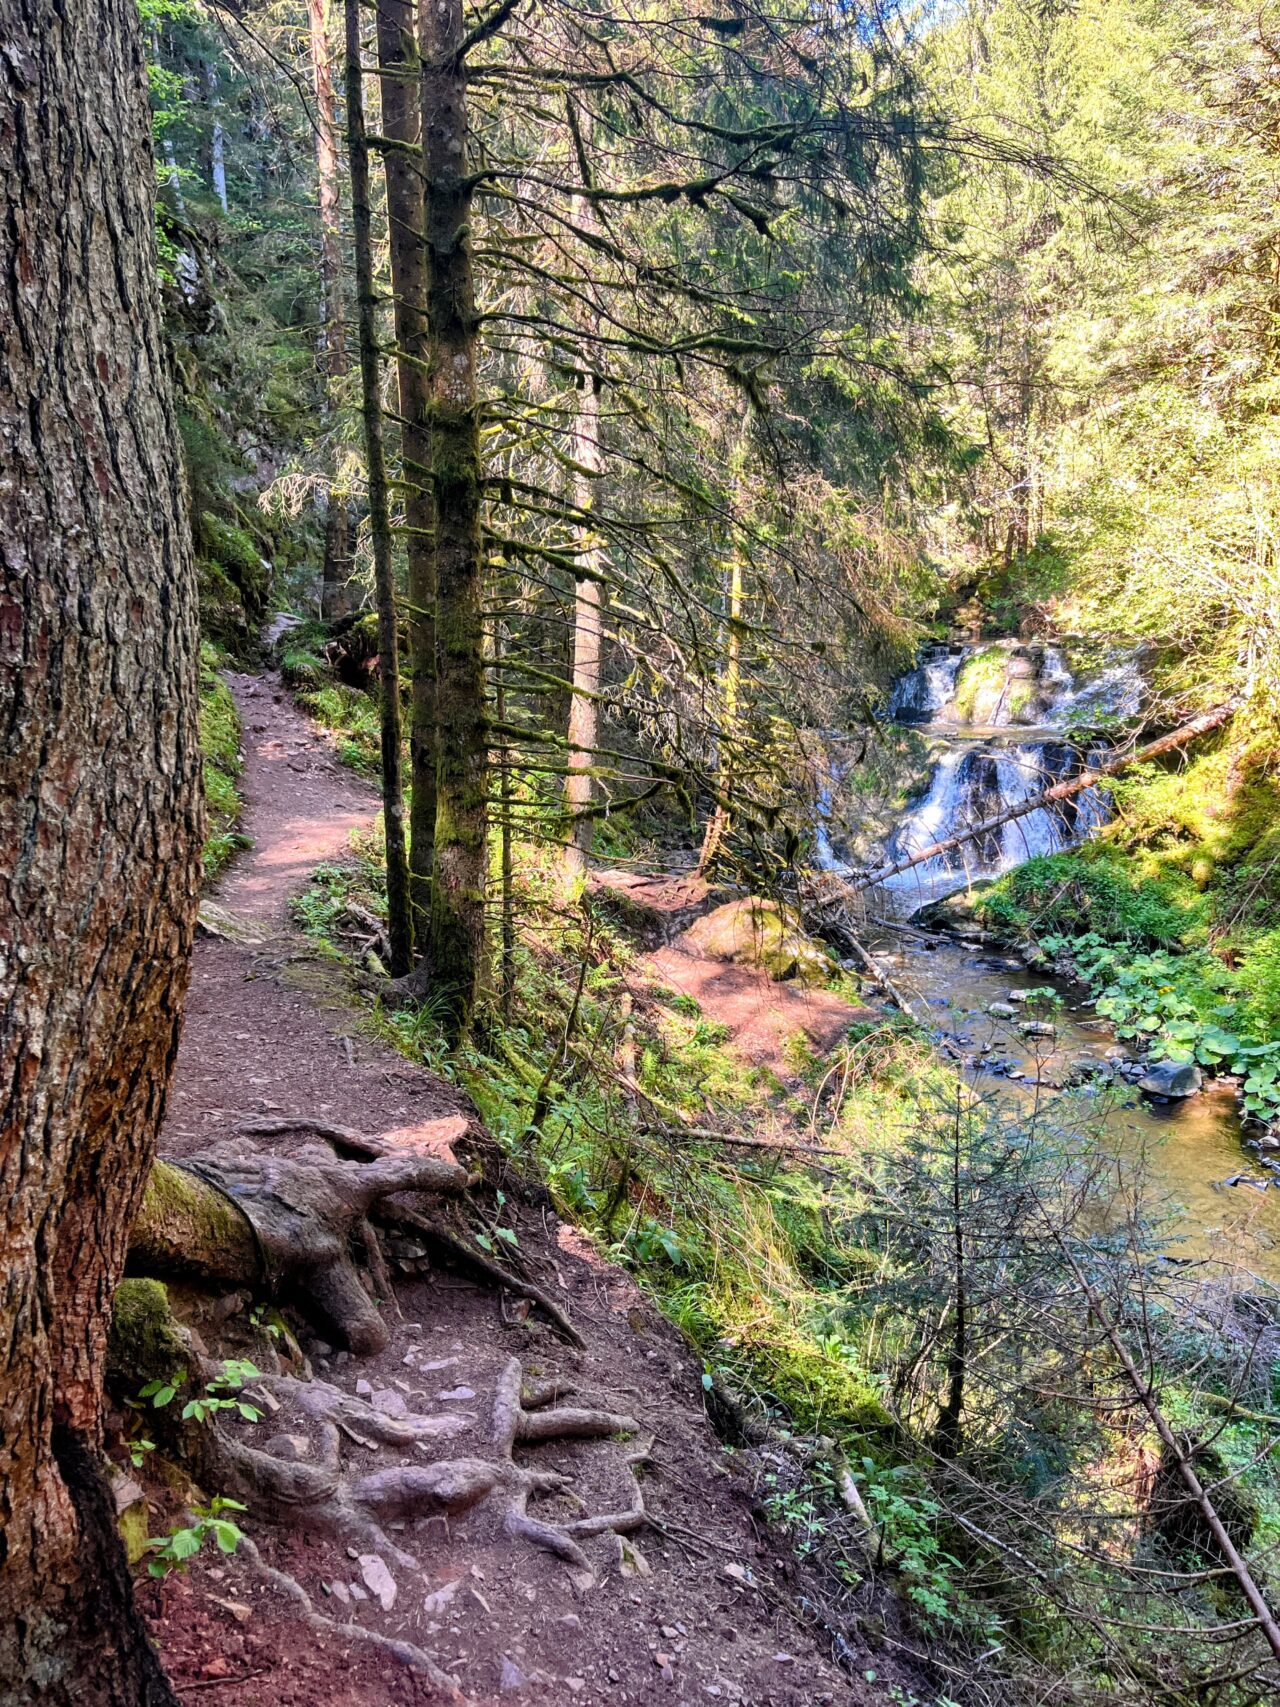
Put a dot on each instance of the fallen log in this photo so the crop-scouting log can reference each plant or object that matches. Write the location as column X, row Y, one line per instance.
column 1202, row 725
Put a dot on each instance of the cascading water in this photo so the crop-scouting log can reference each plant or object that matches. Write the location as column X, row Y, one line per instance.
column 1000, row 719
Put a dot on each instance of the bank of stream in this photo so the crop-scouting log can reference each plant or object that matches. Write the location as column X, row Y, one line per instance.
column 999, row 722
column 1187, row 1149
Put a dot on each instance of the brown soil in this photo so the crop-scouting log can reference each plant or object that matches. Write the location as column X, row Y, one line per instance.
column 700, row 1607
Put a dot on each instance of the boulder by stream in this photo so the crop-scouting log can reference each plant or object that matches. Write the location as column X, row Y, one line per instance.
column 1174, row 1079
column 756, row 932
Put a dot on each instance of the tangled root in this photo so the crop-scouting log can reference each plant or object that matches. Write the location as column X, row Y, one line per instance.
column 354, row 1508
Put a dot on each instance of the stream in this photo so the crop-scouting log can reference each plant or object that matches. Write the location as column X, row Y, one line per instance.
column 1002, row 722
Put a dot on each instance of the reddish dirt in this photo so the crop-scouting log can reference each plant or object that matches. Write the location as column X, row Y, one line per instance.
column 760, row 1014
column 708, row 1615
column 658, row 906
column 301, row 805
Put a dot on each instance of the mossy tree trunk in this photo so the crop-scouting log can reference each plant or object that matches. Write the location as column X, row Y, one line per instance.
column 335, row 594
column 100, row 812
column 457, row 935
column 399, row 917
column 718, row 824
column 399, row 61
column 584, row 708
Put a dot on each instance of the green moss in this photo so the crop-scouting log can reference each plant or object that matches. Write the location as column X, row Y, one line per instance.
column 981, row 685
column 220, row 745
column 1092, row 890
column 353, row 714
column 147, row 1343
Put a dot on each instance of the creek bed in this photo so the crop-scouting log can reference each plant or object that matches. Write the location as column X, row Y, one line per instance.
column 1189, row 1148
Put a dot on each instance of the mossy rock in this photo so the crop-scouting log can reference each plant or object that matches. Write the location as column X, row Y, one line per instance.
column 756, row 932
column 147, row 1343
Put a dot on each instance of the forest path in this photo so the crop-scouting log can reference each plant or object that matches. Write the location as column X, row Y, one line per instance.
column 698, row 1609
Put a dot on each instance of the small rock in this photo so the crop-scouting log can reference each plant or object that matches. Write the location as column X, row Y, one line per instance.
column 339, row 1592
column 571, row 1621
column 356, row 1592
column 363, row 1389
column 391, row 1404
column 1001, row 1010
column 378, row 1580
column 436, row 1602
column 1037, row 1028
column 240, row 1610
column 784, row 1659
column 440, row 1363
column 1171, row 1079
column 458, row 1393
column 574, row 1684
column 512, row 1678
column 1017, row 996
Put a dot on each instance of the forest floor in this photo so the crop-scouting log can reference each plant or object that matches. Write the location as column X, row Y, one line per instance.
column 700, row 1605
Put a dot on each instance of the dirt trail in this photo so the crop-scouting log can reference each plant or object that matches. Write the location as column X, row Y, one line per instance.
column 698, row 1607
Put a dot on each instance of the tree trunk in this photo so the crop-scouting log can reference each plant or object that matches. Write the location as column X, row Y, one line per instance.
column 335, row 593
column 399, row 919
column 718, row 825
column 100, row 815
column 584, row 707
column 406, row 220
column 458, row 887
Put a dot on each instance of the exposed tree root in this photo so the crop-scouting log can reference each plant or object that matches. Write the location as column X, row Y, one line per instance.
column 348, row 1142
column 354, row 1508
column 284, row 1224
column 471, row 1258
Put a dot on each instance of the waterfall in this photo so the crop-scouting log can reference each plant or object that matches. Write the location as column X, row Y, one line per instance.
column 999, row 718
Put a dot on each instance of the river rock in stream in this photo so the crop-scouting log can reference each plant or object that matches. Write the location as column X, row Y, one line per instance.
column 1174, row 1079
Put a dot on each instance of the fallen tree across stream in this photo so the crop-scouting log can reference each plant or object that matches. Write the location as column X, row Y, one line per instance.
column 1202, row 725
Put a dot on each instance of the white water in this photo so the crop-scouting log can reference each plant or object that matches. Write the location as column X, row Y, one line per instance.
column 980, row 771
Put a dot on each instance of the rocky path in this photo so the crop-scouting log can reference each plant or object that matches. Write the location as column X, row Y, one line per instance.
column 694, row 1604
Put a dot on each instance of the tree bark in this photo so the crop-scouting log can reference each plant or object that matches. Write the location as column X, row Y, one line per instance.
column 718, row 824
column 100, row 811
column 457, row 936
column 335, row 593
column 399, row 918
column 406, row 220
column 584, row 707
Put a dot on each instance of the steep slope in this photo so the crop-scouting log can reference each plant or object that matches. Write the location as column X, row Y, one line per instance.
column 696, row 1600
